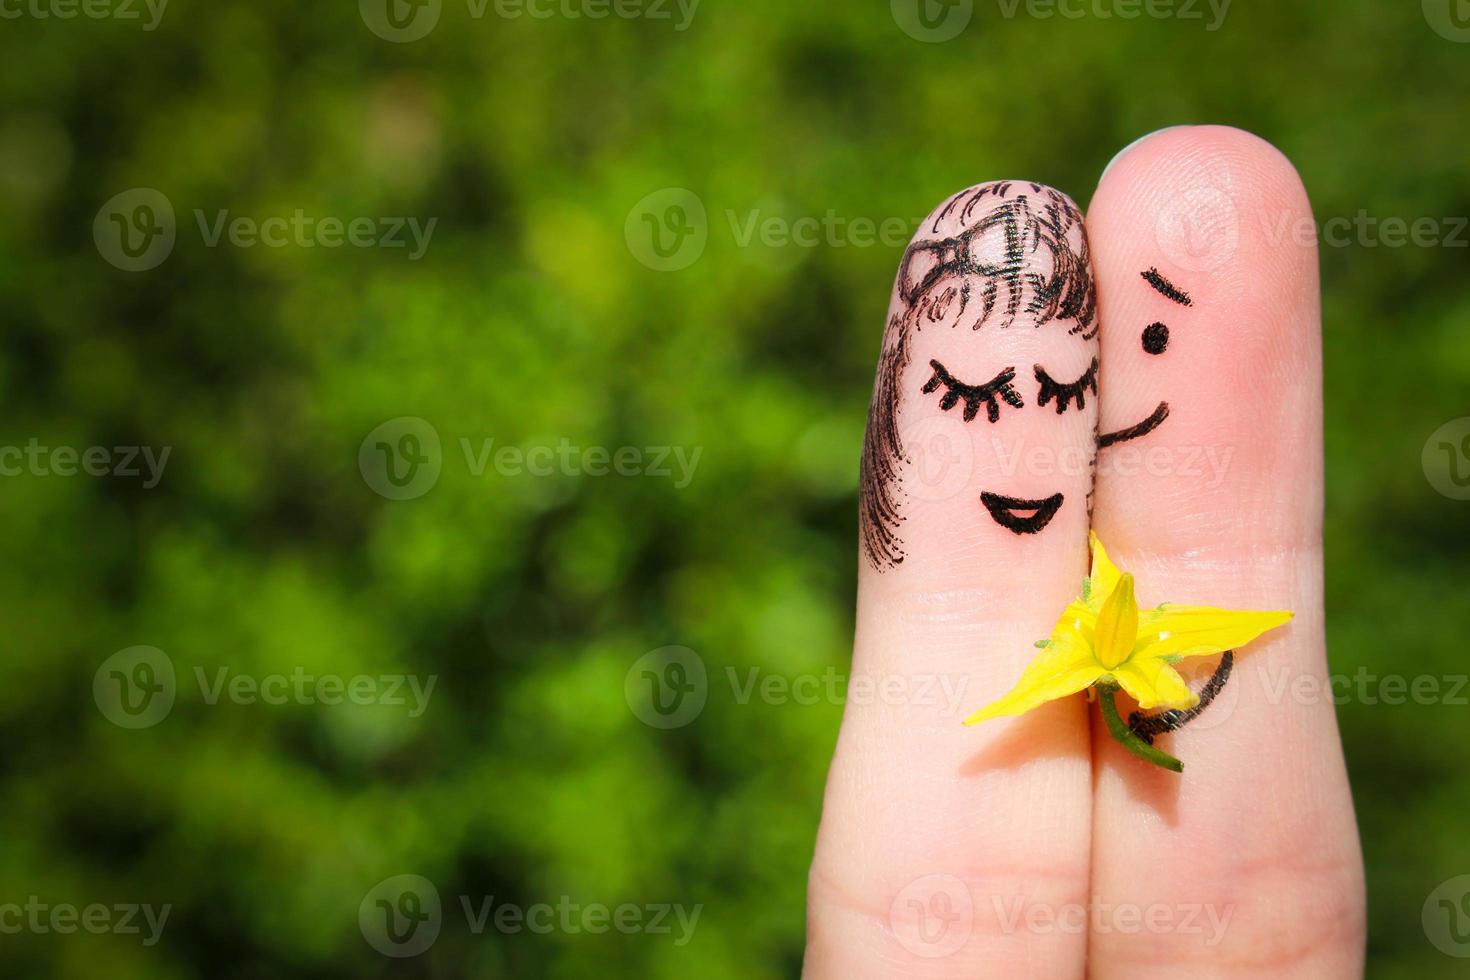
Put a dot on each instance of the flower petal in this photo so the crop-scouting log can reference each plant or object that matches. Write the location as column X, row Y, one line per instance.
column 1195, row 631
column 1116, row 632
column 1076, row 625
column 1154, row 684
column 1104, row 575
column 1065, row 667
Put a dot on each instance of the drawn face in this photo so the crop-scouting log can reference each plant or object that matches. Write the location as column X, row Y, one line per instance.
column 1020, row 515
column 1155, row 341
column 993, row 325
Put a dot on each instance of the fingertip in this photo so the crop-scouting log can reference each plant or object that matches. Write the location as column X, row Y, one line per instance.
column 1220, row 199
column 1127, row 149
column 1206, row 260
column 1166, row 152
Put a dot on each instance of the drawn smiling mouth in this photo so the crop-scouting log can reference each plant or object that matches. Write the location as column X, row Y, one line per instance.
column 1010, row 512
column 1135, row 431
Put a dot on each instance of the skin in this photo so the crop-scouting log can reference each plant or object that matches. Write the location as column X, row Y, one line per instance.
column 1036, row 846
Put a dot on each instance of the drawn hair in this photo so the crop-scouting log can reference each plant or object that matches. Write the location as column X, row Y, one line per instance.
column 987, row 273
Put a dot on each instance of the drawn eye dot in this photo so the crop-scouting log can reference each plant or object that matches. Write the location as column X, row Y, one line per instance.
column 1155, row 338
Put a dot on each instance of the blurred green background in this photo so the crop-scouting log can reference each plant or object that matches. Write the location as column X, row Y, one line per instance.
column 535, row 318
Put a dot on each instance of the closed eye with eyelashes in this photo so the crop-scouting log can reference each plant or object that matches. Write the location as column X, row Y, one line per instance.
column 1074, row 391
column 990, row 394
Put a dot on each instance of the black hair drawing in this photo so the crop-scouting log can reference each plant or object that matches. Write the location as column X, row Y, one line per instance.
column 942, row 278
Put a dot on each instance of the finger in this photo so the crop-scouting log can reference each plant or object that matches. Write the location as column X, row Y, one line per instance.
column 976, row 478
column 1210, row 493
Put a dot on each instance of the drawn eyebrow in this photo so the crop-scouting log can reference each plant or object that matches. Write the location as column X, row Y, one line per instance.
column 1166, row 288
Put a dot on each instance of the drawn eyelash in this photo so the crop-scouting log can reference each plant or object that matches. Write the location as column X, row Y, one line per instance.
column 998, row 387
column 1063, row 393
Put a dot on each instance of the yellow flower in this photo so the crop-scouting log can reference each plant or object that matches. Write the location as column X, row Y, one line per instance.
column 1103, row 638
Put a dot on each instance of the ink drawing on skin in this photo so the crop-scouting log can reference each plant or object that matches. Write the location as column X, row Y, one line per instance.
column 1018, row 260
column 1155, row 341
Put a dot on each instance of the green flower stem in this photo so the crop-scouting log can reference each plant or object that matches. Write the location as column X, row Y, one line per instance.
column 1120, row 731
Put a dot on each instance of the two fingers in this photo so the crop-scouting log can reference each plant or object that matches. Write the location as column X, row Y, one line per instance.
column 1016, row 847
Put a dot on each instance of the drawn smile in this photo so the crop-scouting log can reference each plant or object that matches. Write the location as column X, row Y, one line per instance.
column 1136, row 431
column 1021, row 516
